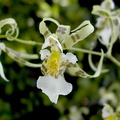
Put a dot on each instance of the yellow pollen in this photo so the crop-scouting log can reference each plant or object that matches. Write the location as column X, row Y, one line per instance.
column 111, row 117
column 53, row 63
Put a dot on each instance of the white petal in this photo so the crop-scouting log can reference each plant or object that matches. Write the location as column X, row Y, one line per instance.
column 44, row 54
column 46, row 44
column 100, row 22
column 107, row 111
column 59, row 45
column 105, row 3
column 71, row 57
column 105, row 35
column 53, row 87
column 2, row 72
column 2, row 46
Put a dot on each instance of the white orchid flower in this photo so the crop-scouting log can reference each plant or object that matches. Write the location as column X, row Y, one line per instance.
column 107, row 112
column 108, row 4
column 105, row 33
column 108, row 23
column 53, row 82
column 1, row 67
column 56, row 62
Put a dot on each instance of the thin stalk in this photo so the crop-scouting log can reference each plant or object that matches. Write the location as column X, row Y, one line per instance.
column 110, row 57
column 22, row 41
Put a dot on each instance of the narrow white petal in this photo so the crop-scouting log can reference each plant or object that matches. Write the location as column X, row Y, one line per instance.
column 44, row 54
column 46, row 44
column 2, row 46
column 100, row 22
column 105, row 35
column 49, row 43
column 105, row 4
column 2, row 73
column 53, row 87
column 71, row 57
column 59, row 45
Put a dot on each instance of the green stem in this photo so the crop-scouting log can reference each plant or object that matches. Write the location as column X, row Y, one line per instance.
column 86, row 51
column 114, row 60
column 97, row 53
column 22, row 41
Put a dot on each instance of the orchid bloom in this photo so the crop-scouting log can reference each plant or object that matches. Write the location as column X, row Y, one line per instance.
column 53, row 82
column 108, row 23
column 56, row 62
column 1, row 67
column 107, row 113
column 105, row 34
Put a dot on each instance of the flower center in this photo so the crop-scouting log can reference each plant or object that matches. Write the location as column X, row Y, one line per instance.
column 53, row 63
column 111, row 117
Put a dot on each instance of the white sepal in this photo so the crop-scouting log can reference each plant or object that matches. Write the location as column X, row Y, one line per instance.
column 71, row 58
column 53, row 87
column 44, row 54
column 107, row 111
column 2, row 73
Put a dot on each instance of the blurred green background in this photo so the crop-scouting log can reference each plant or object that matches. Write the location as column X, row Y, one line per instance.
column 20, row 99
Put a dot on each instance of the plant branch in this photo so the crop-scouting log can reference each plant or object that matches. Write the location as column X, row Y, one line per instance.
column 22, row 41
column 97, row 53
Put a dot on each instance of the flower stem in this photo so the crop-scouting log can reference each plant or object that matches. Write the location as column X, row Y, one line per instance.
column 86, row 51
column 21, row 41
column 110, row 57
